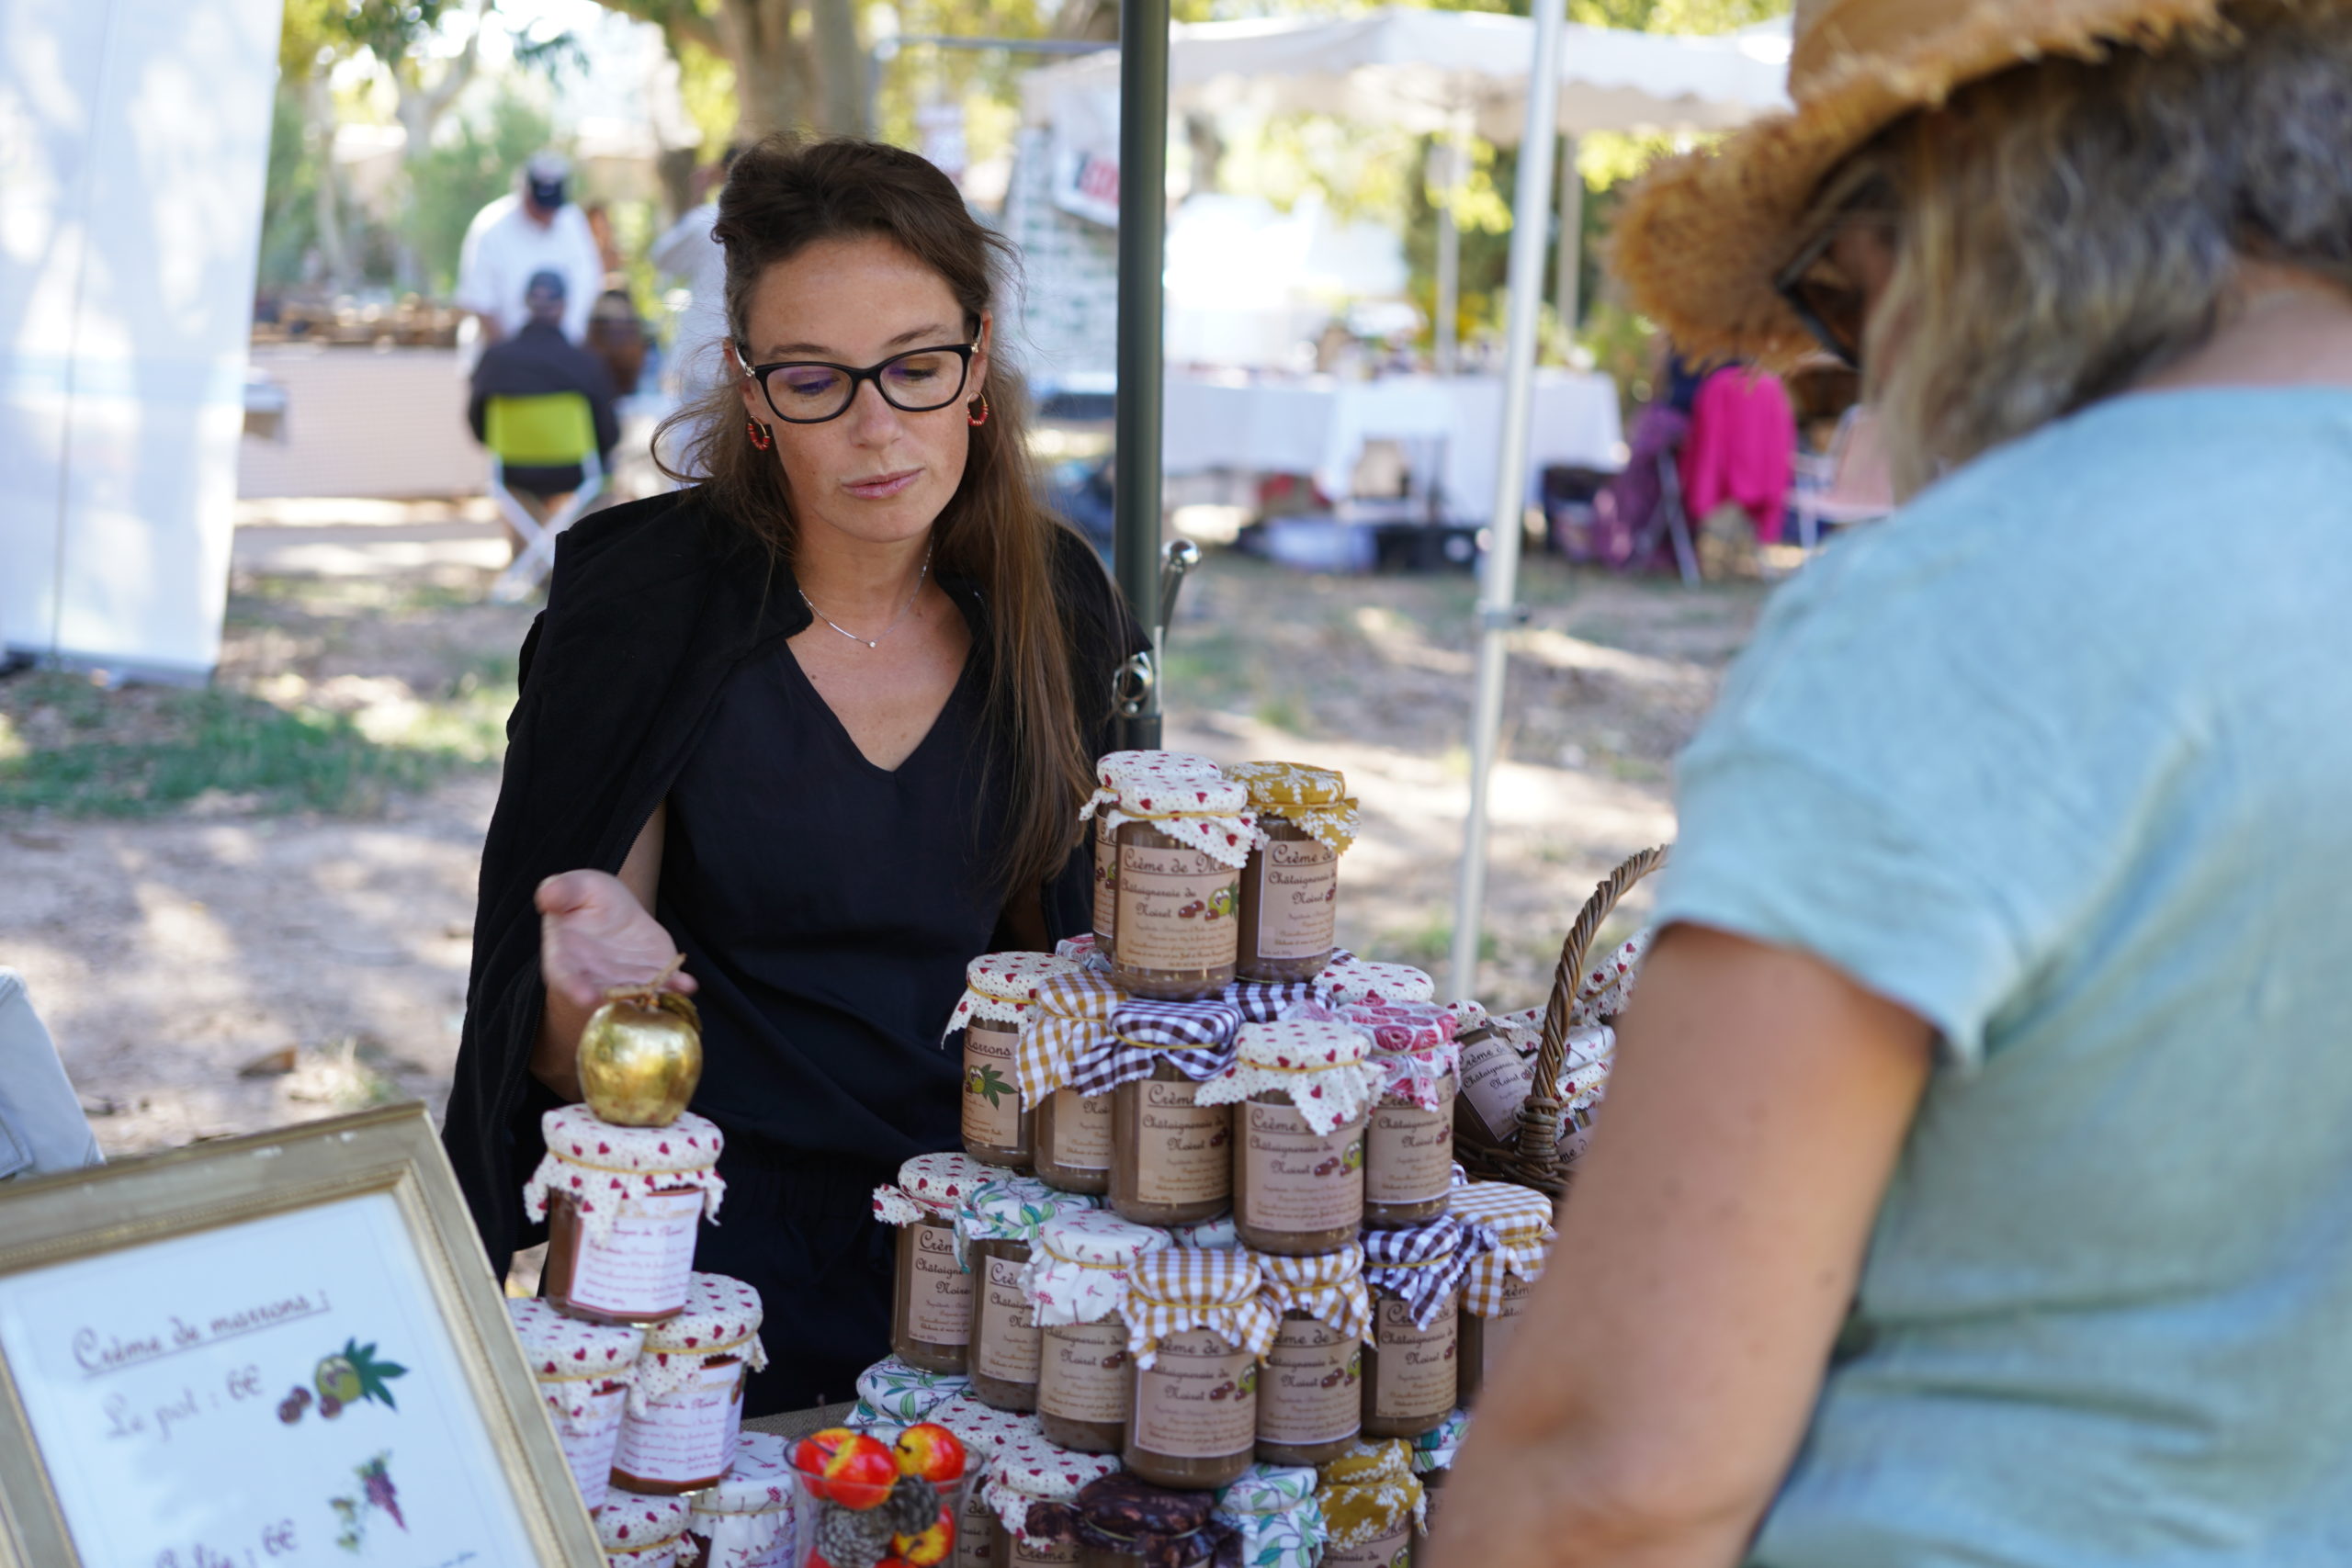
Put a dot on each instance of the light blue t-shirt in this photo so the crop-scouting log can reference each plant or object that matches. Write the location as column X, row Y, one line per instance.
column 2061, row 759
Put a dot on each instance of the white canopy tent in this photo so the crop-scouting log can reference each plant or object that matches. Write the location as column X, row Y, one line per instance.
column 1456, row 73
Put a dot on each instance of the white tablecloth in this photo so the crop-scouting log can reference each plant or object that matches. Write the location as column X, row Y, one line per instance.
column 1319, row 427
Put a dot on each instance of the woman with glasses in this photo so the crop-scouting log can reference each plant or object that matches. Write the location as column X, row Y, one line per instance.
column 1974, row 1184
column 823, row 722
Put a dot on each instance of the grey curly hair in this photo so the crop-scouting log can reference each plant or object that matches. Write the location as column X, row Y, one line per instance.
column 2071, row 228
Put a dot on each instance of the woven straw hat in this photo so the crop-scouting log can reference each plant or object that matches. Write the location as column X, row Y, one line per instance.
column 1702, row 236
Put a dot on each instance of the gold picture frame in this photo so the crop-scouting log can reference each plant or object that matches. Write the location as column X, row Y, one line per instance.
column 303, row 1214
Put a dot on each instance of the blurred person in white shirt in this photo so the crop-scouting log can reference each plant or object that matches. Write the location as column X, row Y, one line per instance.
column 686, row 251
column 536, row 229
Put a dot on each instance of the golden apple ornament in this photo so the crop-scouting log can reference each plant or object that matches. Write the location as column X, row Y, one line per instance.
column 640, row 1056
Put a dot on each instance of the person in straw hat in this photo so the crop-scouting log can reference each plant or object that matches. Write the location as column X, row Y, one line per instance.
column 1974, row 1184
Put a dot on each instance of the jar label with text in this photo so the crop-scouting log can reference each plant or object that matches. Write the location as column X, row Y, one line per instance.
column 1416, row 1370
column 1039, row 1553
column 1107, row 882
column 1299, row 1180
column 1199, row 1400
column 1311, row 1391
column 1391, row 1549
column 1184, row 1152
column 1298, row 898
column 939, row 1309
column 1409, row 1152
column 975, row 1530
column 643, row 1268
column 588, row 1444
column 1494, row 1080
column 1082, row 1372
column 991, row 1098
column 1082, row 1130
column 1005, row 1335
column 1176, row 909
column 689, row 1435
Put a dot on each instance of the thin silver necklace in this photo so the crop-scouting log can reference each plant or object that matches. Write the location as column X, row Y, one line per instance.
column 875, row 641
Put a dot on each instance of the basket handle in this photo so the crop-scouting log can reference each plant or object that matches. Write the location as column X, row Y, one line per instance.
column 1569, row 977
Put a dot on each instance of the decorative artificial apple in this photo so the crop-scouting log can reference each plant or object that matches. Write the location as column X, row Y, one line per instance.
column 640, row 1056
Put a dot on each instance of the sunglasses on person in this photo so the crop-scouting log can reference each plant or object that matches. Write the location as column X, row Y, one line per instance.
column 1830, row 303
column 811, row 391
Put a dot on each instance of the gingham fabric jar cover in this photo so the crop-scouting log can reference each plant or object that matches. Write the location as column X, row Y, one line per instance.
column 1002, row 987
column 932, row 1186
column 1424, row 1264
column 723, row 1318
column 1353, row 980
column 1071, row 1018
column 1315, row 799
column 642, row 1531
column 572, row 1361
column 1175, row 1290
column 1025, row 1471
column 1078, row 1267
column 897, row 1392
column 600, row 1165
column 1368, row 1492
column 1281, row 1521
column 1325, row 1285
column 1521, row 1219
column 749, row 1514
column 1322, row 1068
column 1209, row 812
column 1012, row 1208
column 1196, row 1038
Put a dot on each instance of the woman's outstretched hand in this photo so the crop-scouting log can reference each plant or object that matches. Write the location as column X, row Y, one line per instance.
column 593, row 935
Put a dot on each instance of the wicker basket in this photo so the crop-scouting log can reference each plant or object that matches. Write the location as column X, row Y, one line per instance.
column 1531, row 1158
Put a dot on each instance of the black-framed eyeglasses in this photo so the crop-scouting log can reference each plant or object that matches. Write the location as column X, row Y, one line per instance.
column 1831, row 305
column 811, row 391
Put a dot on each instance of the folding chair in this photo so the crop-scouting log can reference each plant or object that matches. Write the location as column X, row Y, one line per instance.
column 549, row 430
column 1848, row 484
column 1671, row 519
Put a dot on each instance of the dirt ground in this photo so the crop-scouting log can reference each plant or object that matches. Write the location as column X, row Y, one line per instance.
column 226, row 966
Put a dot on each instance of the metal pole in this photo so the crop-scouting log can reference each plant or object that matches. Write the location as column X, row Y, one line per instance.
column 1568, row 298
column 1498, row 588
column 1143, row 223
column 1451, row 154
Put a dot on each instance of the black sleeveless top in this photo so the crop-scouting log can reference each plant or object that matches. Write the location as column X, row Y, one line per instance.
column 827, row 909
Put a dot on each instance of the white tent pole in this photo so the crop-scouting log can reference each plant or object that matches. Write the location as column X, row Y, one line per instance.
column 1499, row 589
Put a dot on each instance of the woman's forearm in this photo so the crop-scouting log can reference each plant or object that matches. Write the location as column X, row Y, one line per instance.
column 575, row 910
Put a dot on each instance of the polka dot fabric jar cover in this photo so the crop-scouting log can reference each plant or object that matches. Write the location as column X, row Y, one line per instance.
column 584, row 1371
column 1025, row 1471
column 723, row 1318
column 600, row 1165
column 1352, row 980
column 1323, row 1067
column 1002, row 987
column 745, row 1521
column 642, row 1532
column 932, row 1186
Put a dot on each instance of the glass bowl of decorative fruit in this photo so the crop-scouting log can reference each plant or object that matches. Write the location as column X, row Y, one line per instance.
column 865, row 1503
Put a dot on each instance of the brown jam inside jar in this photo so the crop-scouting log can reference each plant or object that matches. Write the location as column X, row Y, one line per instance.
column 997, row 1129
column 1311, row 1401
column 1191, row 1555
column 1296, row 1190
column 1004, row 1327
column 1073, row 1142
column 1007, row 1549
column 1171, row 1160
column 1174, row 935
column 930, row 1304
column 1290, row 893
column 1409, row 1382
column 565, row 1245
column 1084, row 1388
column 1483, row 1338
column 1409, row 1160
column 1194, row 1425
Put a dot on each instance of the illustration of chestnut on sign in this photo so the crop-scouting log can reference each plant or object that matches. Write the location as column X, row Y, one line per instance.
column 1191, row 911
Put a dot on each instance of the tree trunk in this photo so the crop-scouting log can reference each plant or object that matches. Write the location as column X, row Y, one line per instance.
column 840, row 68
column 770, row 75
column 326, row 203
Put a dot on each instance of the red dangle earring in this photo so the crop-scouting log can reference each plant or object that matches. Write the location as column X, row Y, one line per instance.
column 976, row 412
column 762, row 437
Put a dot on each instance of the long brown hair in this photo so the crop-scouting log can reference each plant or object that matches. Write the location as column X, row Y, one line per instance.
column 782, row 196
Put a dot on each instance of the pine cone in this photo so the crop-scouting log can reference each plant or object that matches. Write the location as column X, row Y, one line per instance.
column 912, row 1505
column 849, row 1538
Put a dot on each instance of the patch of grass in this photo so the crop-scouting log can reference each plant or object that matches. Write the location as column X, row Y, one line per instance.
column 1282, row 711
column 72, row 748
column 1429, row 944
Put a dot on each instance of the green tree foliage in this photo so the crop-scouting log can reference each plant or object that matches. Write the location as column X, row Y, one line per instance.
column 462, row 174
